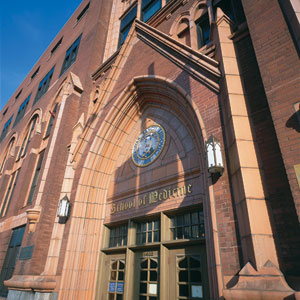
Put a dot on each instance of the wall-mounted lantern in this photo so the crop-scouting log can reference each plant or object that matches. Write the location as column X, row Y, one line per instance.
column 64, row 208
column 214, row 156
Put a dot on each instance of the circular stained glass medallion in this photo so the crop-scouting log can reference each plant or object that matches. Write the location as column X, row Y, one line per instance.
column 148, row 145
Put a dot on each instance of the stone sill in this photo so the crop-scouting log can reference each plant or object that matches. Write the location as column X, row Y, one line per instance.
column 29, row 282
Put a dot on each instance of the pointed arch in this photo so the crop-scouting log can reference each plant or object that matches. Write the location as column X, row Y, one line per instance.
column 104, row 147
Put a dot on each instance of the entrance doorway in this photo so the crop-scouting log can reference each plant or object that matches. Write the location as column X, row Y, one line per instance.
column 147, row 275
column 188, row 273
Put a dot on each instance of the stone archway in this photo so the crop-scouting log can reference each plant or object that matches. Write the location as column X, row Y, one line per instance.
column 146, row 101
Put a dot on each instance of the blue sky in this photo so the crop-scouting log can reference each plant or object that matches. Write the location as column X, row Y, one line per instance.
column 27, row 29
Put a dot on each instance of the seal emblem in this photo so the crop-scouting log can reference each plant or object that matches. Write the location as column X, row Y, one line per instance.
column 148, row 145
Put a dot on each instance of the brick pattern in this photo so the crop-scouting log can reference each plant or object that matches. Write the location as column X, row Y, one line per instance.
column 282, row 206
column 279, row 66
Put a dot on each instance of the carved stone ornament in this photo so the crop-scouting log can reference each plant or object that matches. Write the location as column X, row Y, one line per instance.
column 33, row 215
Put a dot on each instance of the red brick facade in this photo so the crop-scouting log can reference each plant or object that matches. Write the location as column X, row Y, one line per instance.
column 240, row 87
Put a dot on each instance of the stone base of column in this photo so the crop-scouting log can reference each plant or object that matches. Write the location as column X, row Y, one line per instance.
column 268, row 283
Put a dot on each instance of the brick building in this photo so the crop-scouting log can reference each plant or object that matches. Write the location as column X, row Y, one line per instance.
column 172, row 128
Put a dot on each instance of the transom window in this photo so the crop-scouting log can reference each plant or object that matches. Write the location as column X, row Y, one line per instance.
column 18, row 95
column 71, row 55
column 187, row 226
column 118, row 236
column 83, row 12
column 148, row 232
column 117, row 279
column 35, row 73
column 56, row 46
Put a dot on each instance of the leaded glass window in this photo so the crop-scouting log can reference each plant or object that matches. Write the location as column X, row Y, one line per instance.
column 187, row 226
column 117, row 279
column 189, row 277
column 118, row 236
column 148, row 232
column 148, row 289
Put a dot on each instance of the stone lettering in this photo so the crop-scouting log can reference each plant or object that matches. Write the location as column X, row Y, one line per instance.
column 150, row 198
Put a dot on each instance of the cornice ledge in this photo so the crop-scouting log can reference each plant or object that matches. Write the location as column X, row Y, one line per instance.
column 198, row 65
column 221, row 17
column 106, row 65
column 165, row 12
column 30, row 282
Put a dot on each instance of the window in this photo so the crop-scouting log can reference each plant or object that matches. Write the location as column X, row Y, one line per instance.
column 11, row 258
column 70, row 56
column 183, row 34
column 149, row 8
column 189, row 277
column 203, row 31
column 5, row 111
column 118, row 236
column 117, row 279
column 225, row 5
column 11, row 144
column 35, row 177
column 148, row 232
column 148, row 278
column 43, row 86
column 9, row 193
column 126, row 24
column 22, row 110
column 51, row 121
column 35, row 73
column 56, row 46
column 18, row 95
column 5, row 128
column 187, row 226
column 83, row 12
column 28, row 137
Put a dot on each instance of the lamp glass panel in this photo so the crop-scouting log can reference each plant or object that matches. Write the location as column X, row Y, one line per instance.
column 210, row 155
column 219, row 161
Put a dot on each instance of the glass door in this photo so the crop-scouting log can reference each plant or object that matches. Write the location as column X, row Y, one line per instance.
column 188, row 274
column 116, row 279
column 146, row 275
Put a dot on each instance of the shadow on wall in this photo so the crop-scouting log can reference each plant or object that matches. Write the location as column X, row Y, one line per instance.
column 294, row 121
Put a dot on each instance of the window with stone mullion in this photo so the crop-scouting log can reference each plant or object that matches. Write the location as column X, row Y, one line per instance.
column 148, row 232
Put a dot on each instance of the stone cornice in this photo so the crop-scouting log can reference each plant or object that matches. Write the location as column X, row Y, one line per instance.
column 165, row 12
column 105, row 66
column 31, row 282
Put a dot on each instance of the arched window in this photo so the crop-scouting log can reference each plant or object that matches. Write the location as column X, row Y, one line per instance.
column 28, row 137
column 183, row 32
column 192, row 27
column 202, row 22
column 8, row 151
column 51, row 120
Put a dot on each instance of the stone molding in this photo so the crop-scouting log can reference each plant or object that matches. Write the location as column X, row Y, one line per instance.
column 33, row 216
column 30, row 282
column 267, row 283
column 198, row 65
